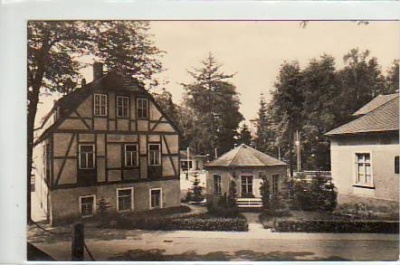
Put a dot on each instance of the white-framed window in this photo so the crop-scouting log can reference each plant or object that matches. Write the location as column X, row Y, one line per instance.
column 247, row 186
column 154, row 154
column 125, row 199
column 185, row 165
column 155, row 198
column 122, row 106
column 217, row 184
column 87, row 206
column 363, row 169
column 131, row 155
column 86, row 156
column 100, row 105
column 142, row 108
column 275, row 183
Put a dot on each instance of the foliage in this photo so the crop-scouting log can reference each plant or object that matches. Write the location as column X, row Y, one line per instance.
column 265, row 195
column 244, row 135
column 360, row 81
column 56, row 47
column 392, row 78
column 168, row 107
column 203, row 222
column 338, row 226
column 232, row 194
column 222, row 206
column 316, row 99
column 196, row 192
column 319, row 194
column 265, row 138
column 214, row 105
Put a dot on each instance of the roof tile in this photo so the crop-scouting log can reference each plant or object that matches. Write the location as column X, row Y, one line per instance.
column 245, row 156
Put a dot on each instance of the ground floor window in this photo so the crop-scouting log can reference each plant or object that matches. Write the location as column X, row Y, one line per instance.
column 275, row 183
column 363, row 169
column 125, row 199
column 87, row 205
column 396, row 165
column 247, row 186
column 155, row 198
column 217, row 184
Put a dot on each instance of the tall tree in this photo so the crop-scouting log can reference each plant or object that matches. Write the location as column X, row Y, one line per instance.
column 215, row 103
column 286, row 108
column 361, row 80
column 164, row 100
column 244, row 135
column 392, row 78
column 54, row 49
column 262, row 126
column 321, row 94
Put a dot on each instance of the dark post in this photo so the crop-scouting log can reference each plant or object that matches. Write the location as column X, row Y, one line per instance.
column 77, row 253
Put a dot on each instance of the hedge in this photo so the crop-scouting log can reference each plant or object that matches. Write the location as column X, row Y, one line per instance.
column 346, row 226
column 202, row 222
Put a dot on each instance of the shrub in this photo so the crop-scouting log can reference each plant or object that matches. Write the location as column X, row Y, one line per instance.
column 222, row 206
column 195, row 194
column 201, row 222
column 320, row 194
column 338, row 226
column 264, row 191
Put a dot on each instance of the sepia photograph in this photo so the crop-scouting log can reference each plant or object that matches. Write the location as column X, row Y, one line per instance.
column 212, row 140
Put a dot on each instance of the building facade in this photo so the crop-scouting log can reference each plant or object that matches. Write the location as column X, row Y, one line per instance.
column 246, row 167
column 106, row 143
column 365, row 154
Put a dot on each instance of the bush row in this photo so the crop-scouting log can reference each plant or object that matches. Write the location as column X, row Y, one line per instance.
column 347, row 226
column 202, row 222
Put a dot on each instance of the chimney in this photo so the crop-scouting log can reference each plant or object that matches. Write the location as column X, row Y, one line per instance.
column 97, row 70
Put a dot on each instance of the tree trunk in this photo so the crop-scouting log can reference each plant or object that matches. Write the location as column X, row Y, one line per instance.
column 35, row 82
column 33, row 98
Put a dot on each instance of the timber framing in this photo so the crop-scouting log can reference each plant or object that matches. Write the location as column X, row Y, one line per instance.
column 76, row 124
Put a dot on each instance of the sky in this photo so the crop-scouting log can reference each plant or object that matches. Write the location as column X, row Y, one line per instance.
column 255, row 50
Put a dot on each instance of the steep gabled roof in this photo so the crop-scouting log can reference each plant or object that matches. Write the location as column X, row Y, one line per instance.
column 375, row 103
column 245, row 156
column 383, row 118
column 111, row 81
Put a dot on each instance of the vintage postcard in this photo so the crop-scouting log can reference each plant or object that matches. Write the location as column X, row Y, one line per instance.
column 220, row 140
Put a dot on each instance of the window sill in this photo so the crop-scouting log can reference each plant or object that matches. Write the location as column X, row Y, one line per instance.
column 86, row 216
column 125, row 211
column 363, row 186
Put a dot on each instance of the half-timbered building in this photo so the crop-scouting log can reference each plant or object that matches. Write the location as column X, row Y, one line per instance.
column 106, row 143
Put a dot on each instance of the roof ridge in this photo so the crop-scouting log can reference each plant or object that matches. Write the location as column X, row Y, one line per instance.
column 364, row 117
column 387, row 97
column 380, row 106
column 237, row 149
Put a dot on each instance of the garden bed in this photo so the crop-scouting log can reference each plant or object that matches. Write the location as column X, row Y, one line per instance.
column 199, row 222
column 338, row 226
column 327, row 222
column 202, row 222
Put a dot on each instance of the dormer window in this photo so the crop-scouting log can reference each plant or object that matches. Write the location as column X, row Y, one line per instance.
column 142, row 108
column 100, row 105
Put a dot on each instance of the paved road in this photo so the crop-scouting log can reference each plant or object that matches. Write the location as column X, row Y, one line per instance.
column 255, row 245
